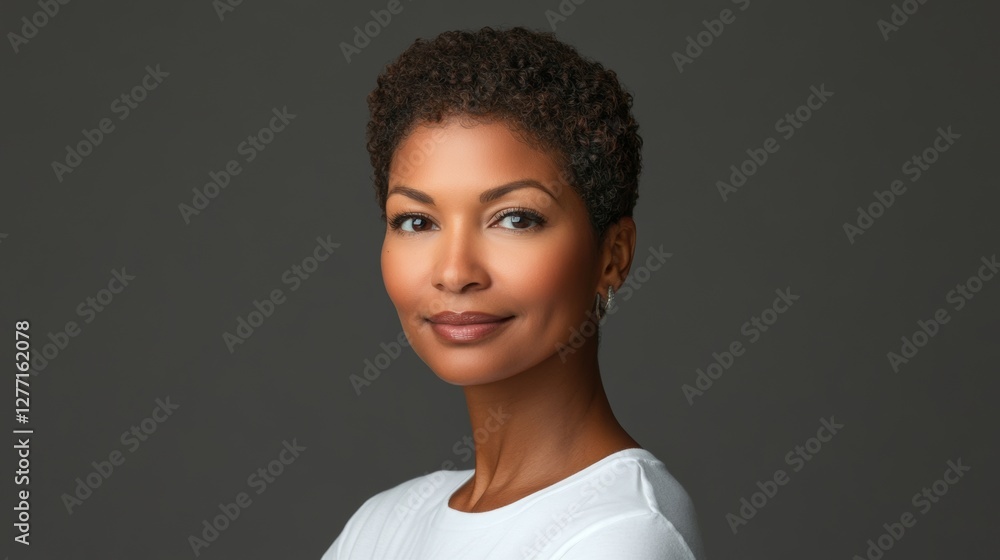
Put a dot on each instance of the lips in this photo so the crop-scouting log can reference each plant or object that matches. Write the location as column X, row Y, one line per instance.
column 466, row 327
column 465, row 318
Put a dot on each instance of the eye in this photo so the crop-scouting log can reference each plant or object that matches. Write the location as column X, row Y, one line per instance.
column 419, row 221
column 521, row 216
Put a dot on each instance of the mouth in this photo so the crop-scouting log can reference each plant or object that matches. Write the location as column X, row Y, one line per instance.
column 467, row 327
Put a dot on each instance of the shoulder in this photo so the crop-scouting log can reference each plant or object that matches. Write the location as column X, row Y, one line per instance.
column 412, row 495
column 397, row 505
column 671, row 501
column 637, row 504
column 638, row 536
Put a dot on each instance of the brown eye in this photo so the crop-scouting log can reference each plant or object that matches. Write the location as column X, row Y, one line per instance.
column 419, row 221
column 521, row 219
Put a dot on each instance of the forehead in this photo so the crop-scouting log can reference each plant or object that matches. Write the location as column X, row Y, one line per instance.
column 456, row 152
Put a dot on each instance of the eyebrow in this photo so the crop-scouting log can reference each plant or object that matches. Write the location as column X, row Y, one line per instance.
column 488, row 195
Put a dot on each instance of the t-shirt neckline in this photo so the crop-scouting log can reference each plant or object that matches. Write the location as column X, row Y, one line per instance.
column 455, row 519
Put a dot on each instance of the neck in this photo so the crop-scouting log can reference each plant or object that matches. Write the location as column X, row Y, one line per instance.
column 537, row 427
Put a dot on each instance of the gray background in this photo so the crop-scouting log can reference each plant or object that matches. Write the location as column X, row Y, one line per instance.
column 162, row 336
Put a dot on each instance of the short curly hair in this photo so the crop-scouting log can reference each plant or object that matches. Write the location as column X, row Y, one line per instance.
column 541, row 88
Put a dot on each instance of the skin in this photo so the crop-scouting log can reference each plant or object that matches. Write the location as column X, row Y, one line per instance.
column 462, row 257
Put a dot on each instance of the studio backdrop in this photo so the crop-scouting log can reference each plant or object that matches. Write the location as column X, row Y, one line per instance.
column 202, row 360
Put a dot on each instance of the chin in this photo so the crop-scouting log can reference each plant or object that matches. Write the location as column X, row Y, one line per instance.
column 465, row 366
column 472, row 371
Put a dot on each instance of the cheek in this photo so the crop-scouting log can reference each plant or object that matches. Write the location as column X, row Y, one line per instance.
column 551, row 276
column 406, row 274
column 545, row 279
column 399, row 278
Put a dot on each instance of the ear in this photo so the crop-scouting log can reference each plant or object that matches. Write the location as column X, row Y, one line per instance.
column 617, row 251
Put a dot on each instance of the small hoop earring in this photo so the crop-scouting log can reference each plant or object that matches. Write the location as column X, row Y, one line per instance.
column 602, row 311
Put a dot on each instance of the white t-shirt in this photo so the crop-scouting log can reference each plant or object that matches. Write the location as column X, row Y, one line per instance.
column 625, row 506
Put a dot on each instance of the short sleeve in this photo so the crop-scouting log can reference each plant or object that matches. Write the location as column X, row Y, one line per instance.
column 644, row 536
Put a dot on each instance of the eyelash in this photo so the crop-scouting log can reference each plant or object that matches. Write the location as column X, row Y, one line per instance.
column 396, row 221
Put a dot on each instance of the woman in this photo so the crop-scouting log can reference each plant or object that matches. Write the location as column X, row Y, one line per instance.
column 506, row 167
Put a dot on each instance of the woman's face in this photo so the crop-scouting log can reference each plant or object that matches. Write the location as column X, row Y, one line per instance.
column 527, row 254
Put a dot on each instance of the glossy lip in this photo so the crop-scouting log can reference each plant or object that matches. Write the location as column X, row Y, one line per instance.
column 464, row 318
column 469, row 326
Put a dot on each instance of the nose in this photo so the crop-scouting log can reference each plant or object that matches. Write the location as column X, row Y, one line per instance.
column 459, row 261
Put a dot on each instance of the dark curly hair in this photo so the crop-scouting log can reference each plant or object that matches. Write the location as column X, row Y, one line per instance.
column 542, row 89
